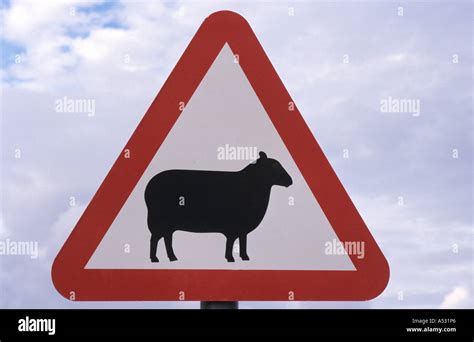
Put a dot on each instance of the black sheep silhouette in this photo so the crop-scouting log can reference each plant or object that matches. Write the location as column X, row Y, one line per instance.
column 231, row 203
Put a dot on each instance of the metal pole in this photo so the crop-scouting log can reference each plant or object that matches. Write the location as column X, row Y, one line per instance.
column 219, row 305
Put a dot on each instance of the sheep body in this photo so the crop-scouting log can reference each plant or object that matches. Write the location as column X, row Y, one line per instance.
column 231, row 203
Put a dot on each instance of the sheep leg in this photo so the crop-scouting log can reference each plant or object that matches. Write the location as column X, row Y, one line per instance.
column 153, row 246
column 169, row 247
column 243, row 247
column 228, row 248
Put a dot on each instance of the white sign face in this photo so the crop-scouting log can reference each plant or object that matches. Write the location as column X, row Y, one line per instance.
column 223, row 128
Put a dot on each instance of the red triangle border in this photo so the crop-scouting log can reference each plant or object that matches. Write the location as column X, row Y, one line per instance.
column 73, row 281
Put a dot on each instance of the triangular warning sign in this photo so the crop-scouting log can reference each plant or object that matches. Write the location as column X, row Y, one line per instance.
column 222, row 149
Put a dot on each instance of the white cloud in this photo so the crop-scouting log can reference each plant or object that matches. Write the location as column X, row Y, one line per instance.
column 60, row 230
column 396, row 57
column 3, row 229
column 46, row 33
column 24, row 20
column 419, row 250
column 28, row 185
column 458, row 298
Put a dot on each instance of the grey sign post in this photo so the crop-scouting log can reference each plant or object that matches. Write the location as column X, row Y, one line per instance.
column 219, row 305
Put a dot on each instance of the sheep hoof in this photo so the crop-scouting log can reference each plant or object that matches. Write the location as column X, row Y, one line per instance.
column 173, row 258
column 154, row 259
column 245, row 257
column 230, row 259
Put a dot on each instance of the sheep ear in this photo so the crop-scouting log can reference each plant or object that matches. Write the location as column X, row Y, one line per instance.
column 262, row 155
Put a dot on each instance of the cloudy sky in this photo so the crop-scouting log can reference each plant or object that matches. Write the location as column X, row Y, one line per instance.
column 410, row 176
